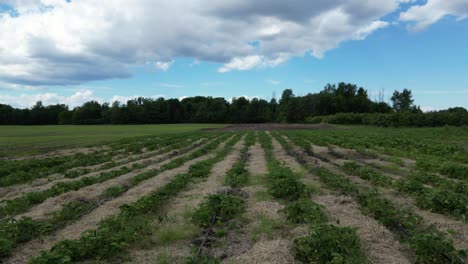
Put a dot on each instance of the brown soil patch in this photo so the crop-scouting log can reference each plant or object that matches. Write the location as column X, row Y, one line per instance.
column 281, row 155
column 276, row 251
column 265, row 127
column 257, row 163
column 91, row 220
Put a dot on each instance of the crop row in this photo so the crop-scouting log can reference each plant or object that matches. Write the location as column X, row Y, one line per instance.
column 326, row 243
column 428, row 244
column 21, row 204
column 217, row 209
column 161, row 147
column 440, row 200
column 116, row 233
column 23, row 230
column 432, row 156
column 445, row 196
column 16, row 172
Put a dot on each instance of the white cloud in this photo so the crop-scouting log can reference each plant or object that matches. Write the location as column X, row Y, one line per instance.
column 163, row 66
column 434, row 10
column 55, row 42
column 28, row 100
column 242, row 64
column 428, row 108
column 274, row 82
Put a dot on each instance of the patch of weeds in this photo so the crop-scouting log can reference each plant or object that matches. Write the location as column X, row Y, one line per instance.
column 225, row 207
column 113, row 191
column 203, row 259
column 329, row 244
column 71, row 211
column 188, row 212
column 5, row 247
column 220, row 232
column 262, row 196
column 256, row 180
column 313, row 188
column 396, row 160
column 305, row 212
column 171, row 233
column 266, row 227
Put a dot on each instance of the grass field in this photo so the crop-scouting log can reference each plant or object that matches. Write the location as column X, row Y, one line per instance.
column 318, row 195
column 25, row 140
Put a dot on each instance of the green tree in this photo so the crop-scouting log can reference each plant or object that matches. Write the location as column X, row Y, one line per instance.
column 402, row 101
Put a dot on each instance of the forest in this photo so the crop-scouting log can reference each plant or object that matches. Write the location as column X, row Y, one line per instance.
column 341, row 103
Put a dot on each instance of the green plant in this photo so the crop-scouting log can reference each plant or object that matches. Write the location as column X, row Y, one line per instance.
column 305, row 212
column 433, row 247
column 220, row 206
column 238, row 175
column 329, row 244
column 288, row 188
column 5, row 247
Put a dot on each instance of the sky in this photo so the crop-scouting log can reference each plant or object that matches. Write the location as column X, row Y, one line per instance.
column 74, row 51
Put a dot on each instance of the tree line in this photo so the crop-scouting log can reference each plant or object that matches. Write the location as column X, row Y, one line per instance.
column 332, row 100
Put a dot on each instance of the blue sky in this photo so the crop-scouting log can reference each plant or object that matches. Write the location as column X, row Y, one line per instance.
column 427, row 55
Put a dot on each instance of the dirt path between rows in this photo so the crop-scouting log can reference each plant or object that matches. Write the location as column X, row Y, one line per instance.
column 378, row 243
column 59, row 152
column 92, row 192
column 91, row 220
column 11, row 192
column 276, row 249
column 441, row 222
column 283, row 157
column 178, row 251
column 16, row 191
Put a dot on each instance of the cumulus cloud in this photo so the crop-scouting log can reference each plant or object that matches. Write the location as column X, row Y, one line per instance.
column 163, row 66
column 434, row 10
column 58, row 42
column 28, row 100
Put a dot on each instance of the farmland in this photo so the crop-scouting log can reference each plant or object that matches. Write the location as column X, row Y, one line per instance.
column 238, row 194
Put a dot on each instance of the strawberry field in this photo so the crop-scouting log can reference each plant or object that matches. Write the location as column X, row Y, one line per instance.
column 243, row 195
